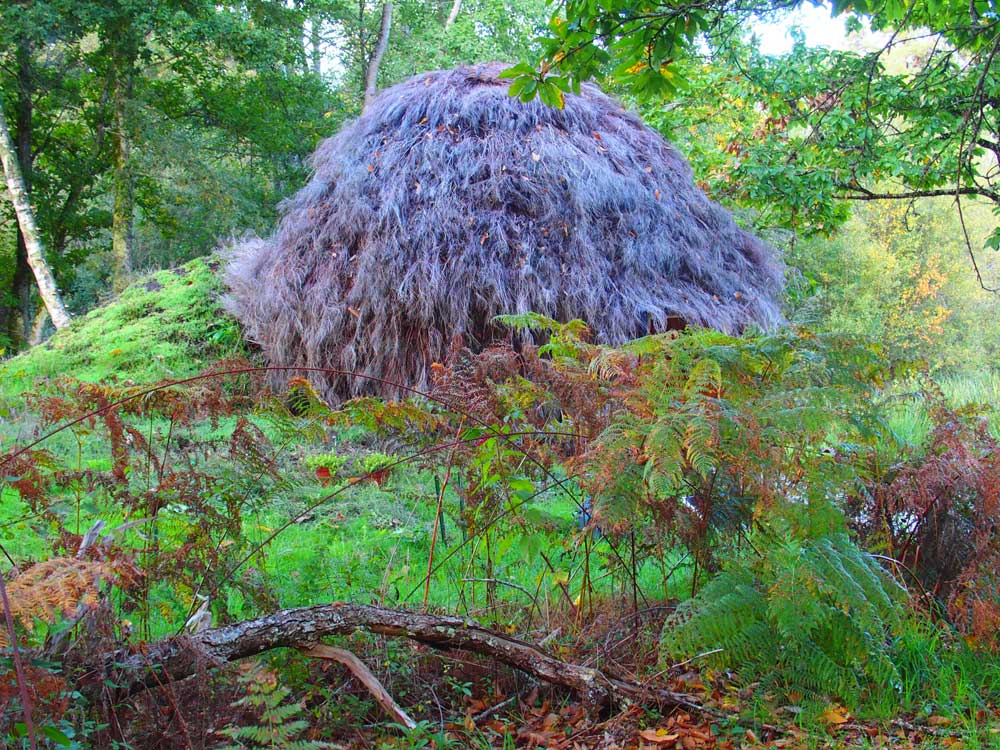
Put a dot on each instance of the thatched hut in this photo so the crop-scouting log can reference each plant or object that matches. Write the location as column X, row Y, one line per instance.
column 449, row 202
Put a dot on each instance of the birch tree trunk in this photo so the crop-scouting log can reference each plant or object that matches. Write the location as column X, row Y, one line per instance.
column 371, row 77
column 29, row 230
column 456, row 6
column 22, row 282
column 315, row 45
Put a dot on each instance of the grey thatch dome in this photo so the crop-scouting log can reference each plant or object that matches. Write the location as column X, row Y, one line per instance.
column 449, row 202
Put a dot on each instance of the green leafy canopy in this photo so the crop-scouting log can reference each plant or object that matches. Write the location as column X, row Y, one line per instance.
column 909, row 111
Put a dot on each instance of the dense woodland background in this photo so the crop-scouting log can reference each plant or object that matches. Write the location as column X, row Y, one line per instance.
column 782, row 538
column 150, row 135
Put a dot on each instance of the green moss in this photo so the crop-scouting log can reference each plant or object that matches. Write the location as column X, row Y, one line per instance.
column 168, row 324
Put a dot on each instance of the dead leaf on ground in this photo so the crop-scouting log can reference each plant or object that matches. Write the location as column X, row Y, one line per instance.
column 659, row 736
column 835, row 716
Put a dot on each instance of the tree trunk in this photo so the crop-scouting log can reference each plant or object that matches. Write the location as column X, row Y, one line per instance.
column 124, row 52
column 21, row 290
column 180, row 657
column 315, row 45
column 122, row 216
column 32, row 239
column 38, row 326
column 21, row 281
column 456, row 6
column 371, row 77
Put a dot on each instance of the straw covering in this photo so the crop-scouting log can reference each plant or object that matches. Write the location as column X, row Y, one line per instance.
column 449, row 202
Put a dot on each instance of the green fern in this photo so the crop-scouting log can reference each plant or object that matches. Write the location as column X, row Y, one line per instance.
column 814, row 615
column 723, row 427
column 279, row 726
column 705, row 377
column 565, row 340
column 330, row 461
column 375, row 462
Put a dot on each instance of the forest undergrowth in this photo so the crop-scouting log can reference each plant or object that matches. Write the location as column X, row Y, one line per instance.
column 741, row 521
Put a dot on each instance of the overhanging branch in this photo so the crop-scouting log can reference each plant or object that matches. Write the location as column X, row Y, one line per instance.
column 858, row 193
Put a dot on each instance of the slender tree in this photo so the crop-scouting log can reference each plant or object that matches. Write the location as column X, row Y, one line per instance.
column 371, row 77
column 122, row 44
column 316, row 46
column 29, row 231
column 23, row 136
column 456, row 7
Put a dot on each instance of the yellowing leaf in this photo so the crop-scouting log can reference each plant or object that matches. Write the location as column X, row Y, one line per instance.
column 836, row 715
column 658, row 736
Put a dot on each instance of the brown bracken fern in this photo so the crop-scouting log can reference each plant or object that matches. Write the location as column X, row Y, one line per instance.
column 54, row 588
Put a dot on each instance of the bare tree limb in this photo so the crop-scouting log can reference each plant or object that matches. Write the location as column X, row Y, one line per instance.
column 859, row 193
column 182, row 656
column 365, row 676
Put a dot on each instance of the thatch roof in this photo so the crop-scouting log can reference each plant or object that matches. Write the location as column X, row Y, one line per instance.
column 449, row 202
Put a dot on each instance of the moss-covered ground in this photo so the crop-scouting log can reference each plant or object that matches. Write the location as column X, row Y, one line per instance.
column 166, row 325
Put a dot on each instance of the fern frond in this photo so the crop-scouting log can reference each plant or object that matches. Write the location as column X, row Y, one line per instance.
column 279, row 725
column 705, row 378
column 814, row 615
column 54, row 588
column 699, row 445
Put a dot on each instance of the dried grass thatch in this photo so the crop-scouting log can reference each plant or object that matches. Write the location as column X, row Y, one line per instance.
column 449, row 202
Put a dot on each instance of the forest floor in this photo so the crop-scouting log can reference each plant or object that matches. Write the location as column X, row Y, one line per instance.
column 321, row 527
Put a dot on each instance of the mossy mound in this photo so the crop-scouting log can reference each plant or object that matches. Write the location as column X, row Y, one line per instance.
column 166, row 325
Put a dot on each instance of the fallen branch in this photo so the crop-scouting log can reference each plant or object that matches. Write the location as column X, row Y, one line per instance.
column 302, row 628
column 910, row 726
column 365, row 676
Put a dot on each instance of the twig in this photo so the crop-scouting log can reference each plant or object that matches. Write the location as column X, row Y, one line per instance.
column 497, row 707
column 509, row 584
column 437, row 515
column 696, row 656
column 562, row 586
column 936, row 731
